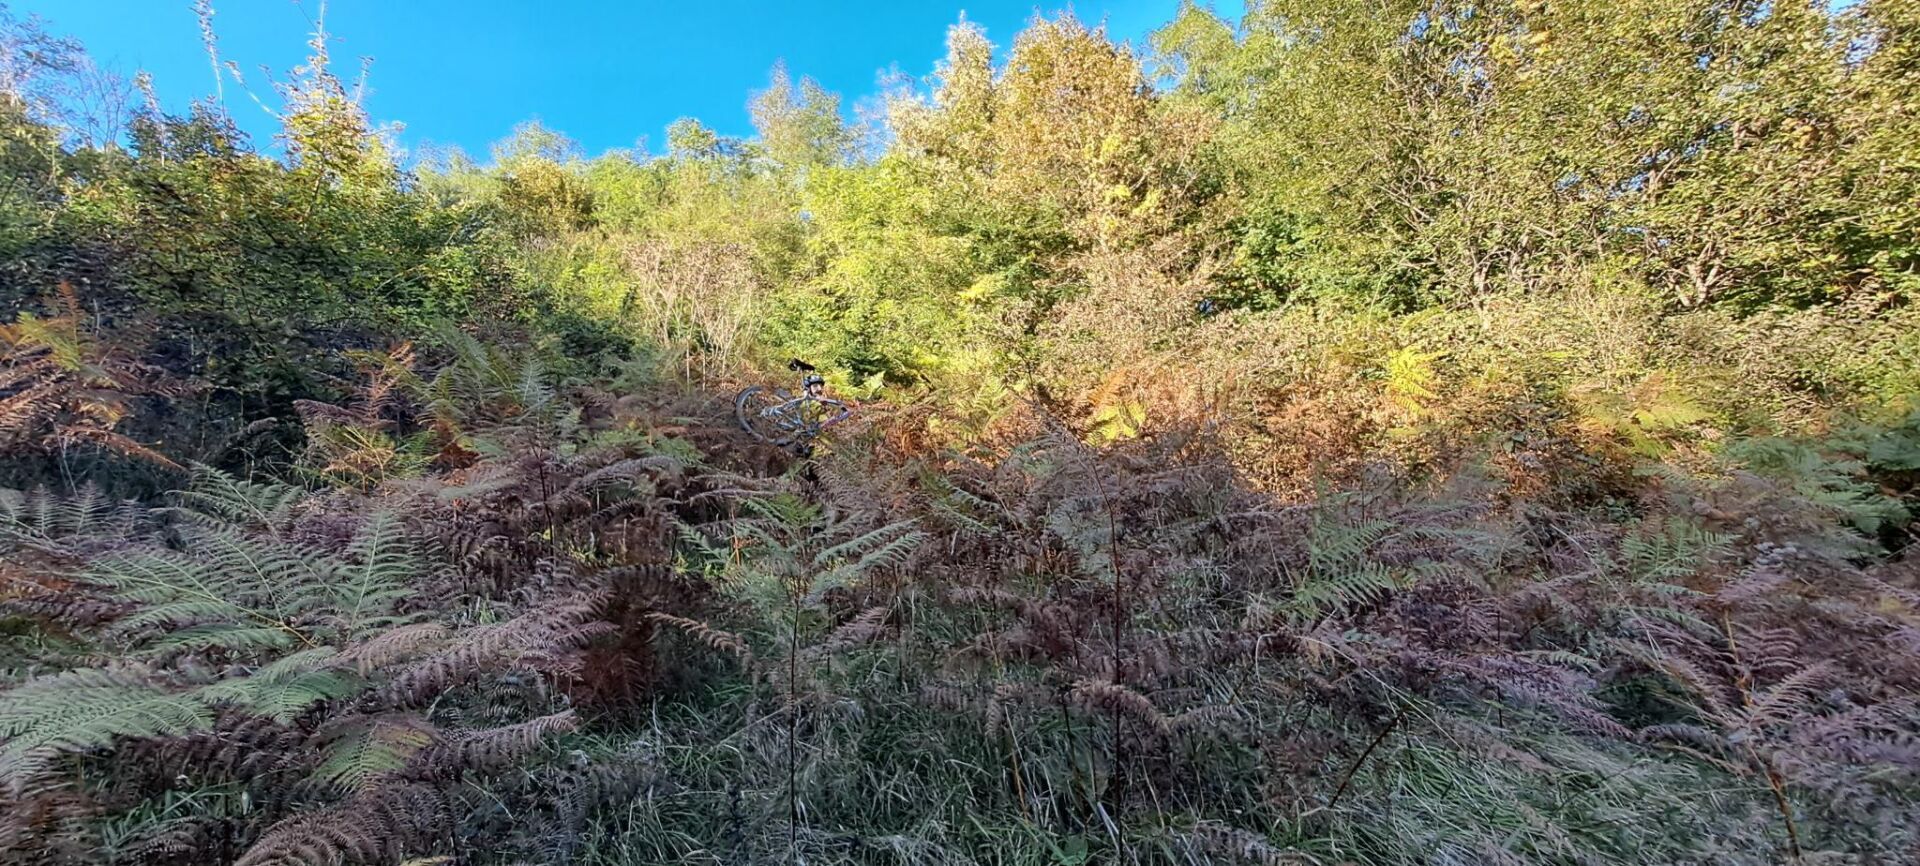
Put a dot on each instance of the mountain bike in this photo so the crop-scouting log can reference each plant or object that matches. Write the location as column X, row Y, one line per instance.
column 786, row 420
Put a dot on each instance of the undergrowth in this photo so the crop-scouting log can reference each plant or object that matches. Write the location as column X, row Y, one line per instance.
column 579, row 629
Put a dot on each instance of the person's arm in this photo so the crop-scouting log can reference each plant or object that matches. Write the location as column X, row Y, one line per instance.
column 845, row 411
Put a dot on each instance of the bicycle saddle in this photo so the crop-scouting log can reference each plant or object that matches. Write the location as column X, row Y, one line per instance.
column 799, row 366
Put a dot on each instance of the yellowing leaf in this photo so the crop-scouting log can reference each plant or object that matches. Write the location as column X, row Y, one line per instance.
column 1410, row 377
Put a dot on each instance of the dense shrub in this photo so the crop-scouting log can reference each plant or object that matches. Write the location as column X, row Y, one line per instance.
column 1406, row 433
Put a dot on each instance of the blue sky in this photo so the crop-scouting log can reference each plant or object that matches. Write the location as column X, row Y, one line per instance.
column 605, row 72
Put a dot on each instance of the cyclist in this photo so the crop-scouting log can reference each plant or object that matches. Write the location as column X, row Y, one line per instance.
column 815, row 387
column 790, row 421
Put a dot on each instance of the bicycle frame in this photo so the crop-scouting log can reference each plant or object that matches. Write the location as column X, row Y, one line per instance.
column 790, row 421
column 792, row 416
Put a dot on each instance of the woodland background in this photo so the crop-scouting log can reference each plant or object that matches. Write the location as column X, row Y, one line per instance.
column 1387, row 432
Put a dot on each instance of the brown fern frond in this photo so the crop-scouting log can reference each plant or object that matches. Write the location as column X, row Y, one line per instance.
column 1216, row 842
column 627, row 471
column 1107, row 696
column 385, row 824
column 391, row 646
column 1006, row 697
column 946, row 696
column 987, row 596
column 724, row 641
column 1706, row 745
column 1788, row 696
column 314, row 412
column 238, row 746
column 1208, row 720
column 864, row 627
column 489, row 749
column 28, row 408
column 538, row 638
column 119, row 444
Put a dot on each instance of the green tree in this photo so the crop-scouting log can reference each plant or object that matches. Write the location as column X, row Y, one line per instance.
column 800, row 125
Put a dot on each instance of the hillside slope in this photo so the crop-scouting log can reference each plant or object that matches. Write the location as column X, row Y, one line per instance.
column 1360, row 433
column 602, row 629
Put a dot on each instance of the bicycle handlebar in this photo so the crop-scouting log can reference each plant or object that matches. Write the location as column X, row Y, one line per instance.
column 845, row 411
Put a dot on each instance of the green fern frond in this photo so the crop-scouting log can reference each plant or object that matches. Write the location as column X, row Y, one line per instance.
column 969, row 512
column 1564, row 659
column 876, row 551
column 865, row 543
column 961, row 519
column 1671, row 550
column 39, row 519
column 228, row 579
column 1334, row 541
column 1835, row 484
column 237, row 638
column 367, row 748
column 234, row 501
column 369, row 590
column 784, row 509
column 532, row 389
column 289, row 686
column 765, row 541
column 360, row 457
column 703, row 548
column 87, row 709
column 250, row 595
column 177, row 593
column 1318, row 594
column 1670, row 590
column 477, row 368
column 17, row 510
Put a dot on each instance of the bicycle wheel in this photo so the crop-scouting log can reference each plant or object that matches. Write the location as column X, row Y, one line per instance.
column 767, row 413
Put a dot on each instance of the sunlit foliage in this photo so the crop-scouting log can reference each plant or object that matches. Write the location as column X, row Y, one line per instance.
column 1379, row 433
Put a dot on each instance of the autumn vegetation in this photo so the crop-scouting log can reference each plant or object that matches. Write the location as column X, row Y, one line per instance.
column 1361, row 433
